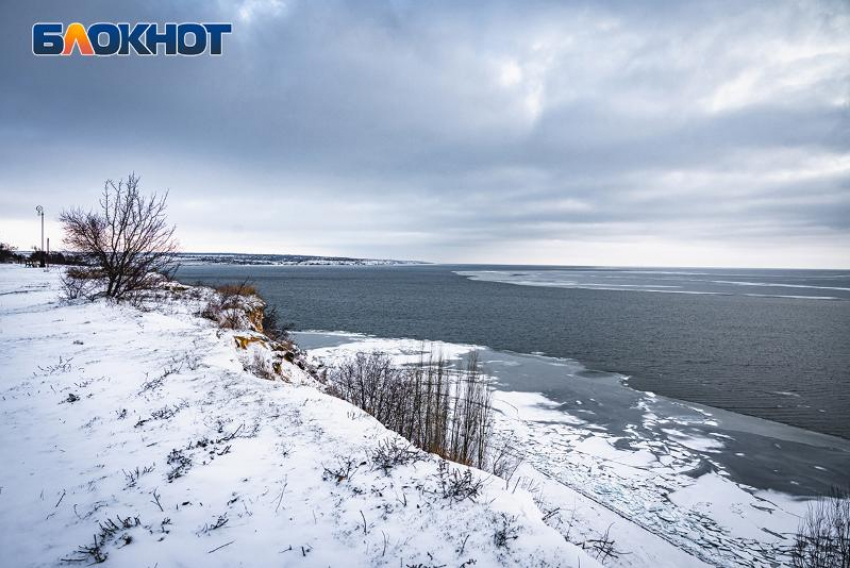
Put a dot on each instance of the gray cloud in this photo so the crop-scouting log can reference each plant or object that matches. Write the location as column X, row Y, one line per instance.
column 610, row 133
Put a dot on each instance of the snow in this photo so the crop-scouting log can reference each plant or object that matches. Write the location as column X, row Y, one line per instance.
column 700, row 443
column 402, row 351
column 148, row 419
column 531, row 406
column 656, row 490
column 712, row 495
column 603, row 448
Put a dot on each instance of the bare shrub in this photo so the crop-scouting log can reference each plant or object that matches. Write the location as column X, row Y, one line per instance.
column 164, row 413
column 507, row 529
column 230, row 306
column 603, row 548
column 391, row 453
column 127, row 238
column 110, row 528
column 180, row 464
column 93, row 552
column 504, row 462
column 471, row 420
column 81, row 283
column 219, row 522
column 259, row 366
column 823, row 537
column 442, row 411
column 133, row 475
column 343, row 470
column 456, row 485
column 366, row 380
column 274, row 327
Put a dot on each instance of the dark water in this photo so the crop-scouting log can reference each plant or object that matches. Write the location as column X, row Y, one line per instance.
column 769, row 343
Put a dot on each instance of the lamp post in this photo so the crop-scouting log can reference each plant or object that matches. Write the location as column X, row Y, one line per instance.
column 40, row 212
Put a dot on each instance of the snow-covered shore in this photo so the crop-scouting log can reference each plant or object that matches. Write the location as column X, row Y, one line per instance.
column 236, row 259
column 139, row 437
column 671, row 483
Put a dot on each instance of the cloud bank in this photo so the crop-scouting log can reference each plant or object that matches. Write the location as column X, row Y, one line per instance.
column 620, row 133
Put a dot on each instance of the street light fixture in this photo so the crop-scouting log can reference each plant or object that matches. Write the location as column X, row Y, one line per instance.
column 40, row 212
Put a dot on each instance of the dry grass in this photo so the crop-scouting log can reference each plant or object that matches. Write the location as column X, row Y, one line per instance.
column 229, row 308
column 241, row 289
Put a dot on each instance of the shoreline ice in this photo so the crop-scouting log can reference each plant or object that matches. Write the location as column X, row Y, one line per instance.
column 671, row 472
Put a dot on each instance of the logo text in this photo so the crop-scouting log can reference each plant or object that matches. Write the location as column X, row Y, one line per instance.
column 142, row 38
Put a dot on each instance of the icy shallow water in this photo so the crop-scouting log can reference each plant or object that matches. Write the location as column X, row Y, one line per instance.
column 791, row 284
column 726, row 487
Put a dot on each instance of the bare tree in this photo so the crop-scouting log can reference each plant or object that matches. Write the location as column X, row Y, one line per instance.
column 8, row 254
column 126, row 240
column 823, row 537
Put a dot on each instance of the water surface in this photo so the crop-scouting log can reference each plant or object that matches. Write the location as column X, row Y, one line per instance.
column 768, row 343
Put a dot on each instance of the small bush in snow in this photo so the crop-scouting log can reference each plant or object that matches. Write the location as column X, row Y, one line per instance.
column 456, row 485
column 133, row 476
column 340, row 472
column 180, row 464
column 63, row 366
column 274, row 327
column 92, row 552
column 504, row 462
column 260, row 367
column 110, row 528
column 507, row 529
column 603, row 547
column 391, row 453
column 215, row 525
column 164, row 413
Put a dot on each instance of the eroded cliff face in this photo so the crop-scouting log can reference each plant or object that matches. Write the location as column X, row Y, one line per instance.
column 255, row 317
column 238, row 311
column 273, row 359
column 267, row 357
column 235, row 311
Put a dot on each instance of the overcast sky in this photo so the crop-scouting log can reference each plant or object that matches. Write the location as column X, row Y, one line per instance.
column 607, row 133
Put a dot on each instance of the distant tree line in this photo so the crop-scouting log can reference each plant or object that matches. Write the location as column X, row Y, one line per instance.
column 10, row 255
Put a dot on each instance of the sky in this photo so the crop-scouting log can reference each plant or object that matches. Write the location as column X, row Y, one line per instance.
column 648, row 133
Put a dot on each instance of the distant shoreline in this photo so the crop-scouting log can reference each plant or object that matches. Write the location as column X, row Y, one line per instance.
column 240, row 259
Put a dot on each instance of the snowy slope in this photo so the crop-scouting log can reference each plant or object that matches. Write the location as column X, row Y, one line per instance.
column 666, row 498
column 138, row 437
column 540, row 432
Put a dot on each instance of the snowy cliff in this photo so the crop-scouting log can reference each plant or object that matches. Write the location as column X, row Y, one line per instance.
column 151, row 436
